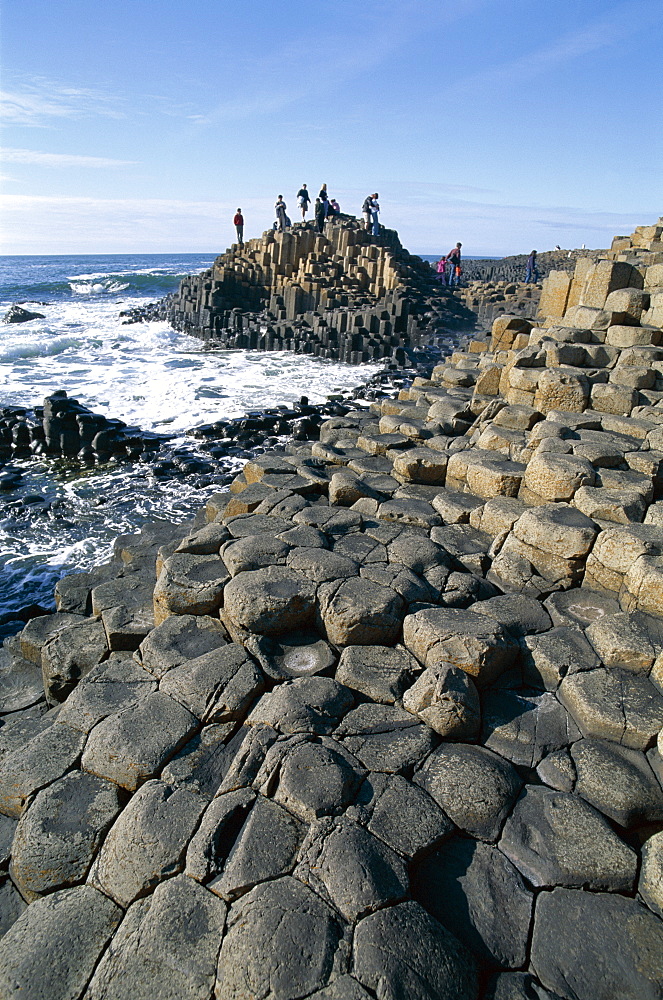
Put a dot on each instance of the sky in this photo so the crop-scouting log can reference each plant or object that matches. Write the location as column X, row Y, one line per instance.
column 141, row 125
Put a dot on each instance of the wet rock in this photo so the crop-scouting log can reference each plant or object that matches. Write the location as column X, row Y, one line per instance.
column 478, row 895
column 304, row 705
column 166, row 946
column 595, row 946
column 133, row 745
column 385, row 738
column 52, row 949
column 380, row 672
column 281, row 939
column 404, row 952
column 555, row 838
column 59, row 834
column 446, row 699
column 17, row 314
column 148, row 842
column 473, row 786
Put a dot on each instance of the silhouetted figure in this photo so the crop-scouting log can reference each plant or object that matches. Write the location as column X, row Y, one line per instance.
column 319, row 215
column 238, row 223
column 531, row 271
column 281, row 217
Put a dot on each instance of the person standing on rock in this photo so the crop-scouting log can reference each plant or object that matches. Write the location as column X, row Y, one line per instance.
column 375, row 210
column 441, row 268
column 453, row 263
column 238, row 223
column 304, row 199
column 366, row 212
column 531, row 271
column 324, row 199
column 319, row 215
column 281, row 217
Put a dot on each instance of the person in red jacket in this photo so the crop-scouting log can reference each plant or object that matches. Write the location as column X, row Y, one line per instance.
column 238, row 223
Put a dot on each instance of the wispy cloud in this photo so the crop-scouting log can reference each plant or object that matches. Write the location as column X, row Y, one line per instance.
column 600, row 33
column 39, row 101
column 33, row 156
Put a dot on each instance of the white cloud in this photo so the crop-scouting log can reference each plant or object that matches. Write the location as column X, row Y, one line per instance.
column 40, row 100
column 33, row 156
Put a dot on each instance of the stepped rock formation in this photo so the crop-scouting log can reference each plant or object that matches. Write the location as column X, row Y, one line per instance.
column 385, row 719
column 341, row 294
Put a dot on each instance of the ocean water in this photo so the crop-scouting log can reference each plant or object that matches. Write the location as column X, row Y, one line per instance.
column 146, row 374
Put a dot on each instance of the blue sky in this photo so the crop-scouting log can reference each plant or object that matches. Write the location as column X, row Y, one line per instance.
column 140, row 125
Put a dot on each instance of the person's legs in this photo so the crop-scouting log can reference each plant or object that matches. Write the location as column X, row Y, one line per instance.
column 376, row 224
column 240, row 235
column 528, row 275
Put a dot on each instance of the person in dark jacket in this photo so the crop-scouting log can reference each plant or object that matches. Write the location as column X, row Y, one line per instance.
column 319, row 215
column 324, row 198
column 304, row 199
column 531, row 271
column 238, row 223
column 281, row 217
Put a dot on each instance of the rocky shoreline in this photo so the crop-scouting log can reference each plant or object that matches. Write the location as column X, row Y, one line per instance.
column 385, row 719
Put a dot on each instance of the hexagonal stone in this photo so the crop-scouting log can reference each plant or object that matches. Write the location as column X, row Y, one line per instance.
column 295, row 654
column 166, row 947
column 446, row 699
column 597, row 946
column 349, row 867
column 69, row 654
column 217, row 686
column 203, row 762
column 133, row 745
column 266, row 847
column 580, row 607
column 412, row 588
column 147, row 843
column 524, row 728
column 381, row 672
column 474, row 787
column 254, row 552
column 478, row 895
column 631, row 641
column 555, row 838
column 520, row 614
column 401, row 814
column 110, row 687
column 60, row 833
column 359, row 612
column 321, row 565
column 213, row 840
column 180, row 638
column 404, row 952
column 333, row 521
column 304, row 705
column 548, row 658
column 478, row 645
column 282, row 941
column 39, row 630
column 52, row 949
column 189, row 585
column 385, row 738
column 40, row 761
column 614, row 704
column 617, row 781
column 557, row 477
column 270, row 601
column 311, row 779
column 21, row 683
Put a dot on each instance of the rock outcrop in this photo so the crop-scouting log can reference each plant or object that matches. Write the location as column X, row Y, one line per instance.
column 386, row 718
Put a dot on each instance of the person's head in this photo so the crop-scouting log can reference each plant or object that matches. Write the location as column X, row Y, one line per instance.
column 459, row 245
column 304, row 186
column 533, row 253
column 317, row 201
column 324, row 187
column 280, row 197
column 376, row 195
column 239, row 210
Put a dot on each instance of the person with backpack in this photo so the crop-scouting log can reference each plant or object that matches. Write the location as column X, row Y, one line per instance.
column 453, row 262
column 304, row 199
column 238, row 223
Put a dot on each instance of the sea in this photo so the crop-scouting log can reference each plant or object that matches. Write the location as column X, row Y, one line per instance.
column 60, row 520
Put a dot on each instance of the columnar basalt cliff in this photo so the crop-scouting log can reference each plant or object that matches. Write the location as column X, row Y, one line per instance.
column 341, row 294
column 385, row 719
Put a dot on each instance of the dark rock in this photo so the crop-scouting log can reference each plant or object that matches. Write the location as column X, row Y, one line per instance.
column 617, row 781
column 17, row 314
column 401, row 814
column 304, row 705
column 385, row 738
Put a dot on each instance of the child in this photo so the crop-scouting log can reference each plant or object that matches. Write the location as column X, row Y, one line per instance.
column 442, row 269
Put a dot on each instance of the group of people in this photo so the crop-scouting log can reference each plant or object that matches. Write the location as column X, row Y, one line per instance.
column 449, row 269
column 323, row 209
